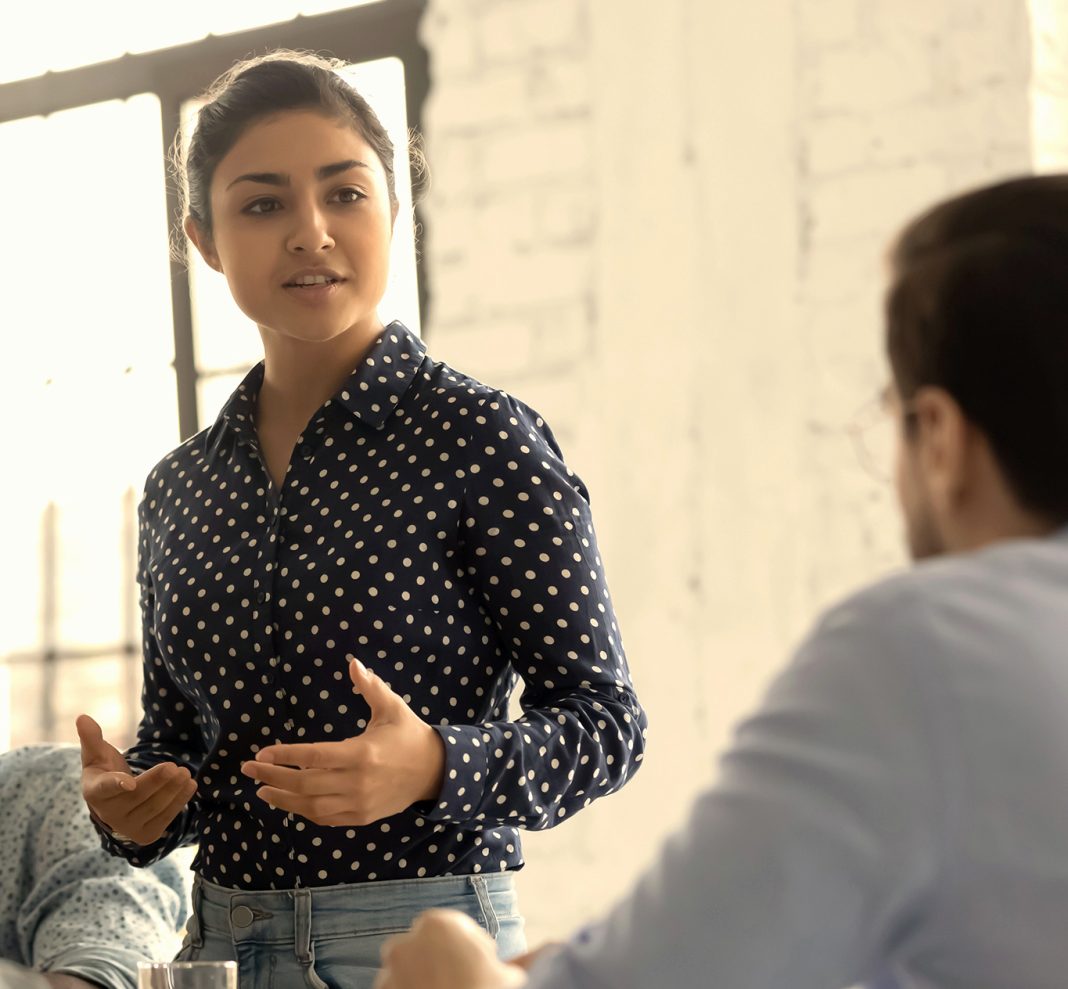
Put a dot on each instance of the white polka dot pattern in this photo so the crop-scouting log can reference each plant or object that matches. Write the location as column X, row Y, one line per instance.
column 428, row 526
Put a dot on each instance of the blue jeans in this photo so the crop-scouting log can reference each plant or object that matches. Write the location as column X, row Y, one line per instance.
column 329, row 937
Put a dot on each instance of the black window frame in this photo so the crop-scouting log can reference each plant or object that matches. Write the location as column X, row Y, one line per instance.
column 386, row 28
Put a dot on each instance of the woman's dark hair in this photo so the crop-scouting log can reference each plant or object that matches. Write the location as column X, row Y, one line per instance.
column 260, row 87
column 978, row 306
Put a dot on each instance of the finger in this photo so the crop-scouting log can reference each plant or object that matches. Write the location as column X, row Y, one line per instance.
column 375, row 691
column 102, row 786
column 312, row 782
column 310, row 755
column 141, row 813
column 525, row 961
column 95, row 750
column 392, row 944
column 148, row 784
column 163, row 819
column 313, row 808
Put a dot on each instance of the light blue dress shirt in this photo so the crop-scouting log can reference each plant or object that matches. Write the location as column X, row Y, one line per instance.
column 898, row 803
column 66, row 905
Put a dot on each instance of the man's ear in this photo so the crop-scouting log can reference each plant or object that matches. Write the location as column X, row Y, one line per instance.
column 944, row 444
column 203, row 243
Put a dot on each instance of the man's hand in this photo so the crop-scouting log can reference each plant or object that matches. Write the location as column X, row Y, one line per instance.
column 60, row 980
column 397, row 761
column 140, row 808
column 526, row 961
column 445, row 950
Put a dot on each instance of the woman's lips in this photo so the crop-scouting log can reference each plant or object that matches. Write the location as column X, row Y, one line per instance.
column 314, row 294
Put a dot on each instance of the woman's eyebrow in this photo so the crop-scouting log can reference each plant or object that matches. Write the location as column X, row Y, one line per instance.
column 326, row 171
column 279, row 178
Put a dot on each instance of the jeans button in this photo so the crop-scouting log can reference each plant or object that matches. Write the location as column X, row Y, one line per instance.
column 242, row 917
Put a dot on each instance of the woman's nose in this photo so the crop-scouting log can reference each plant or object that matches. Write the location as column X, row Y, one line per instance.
column 310, row 233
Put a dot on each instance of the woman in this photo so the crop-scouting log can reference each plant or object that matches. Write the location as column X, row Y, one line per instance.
column 356, row 502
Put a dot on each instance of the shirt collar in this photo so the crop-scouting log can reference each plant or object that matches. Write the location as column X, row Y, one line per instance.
column 376, row 387
column 371, row 393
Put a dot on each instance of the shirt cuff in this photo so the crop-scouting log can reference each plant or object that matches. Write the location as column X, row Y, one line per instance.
column 111, row 968
column 466, row 766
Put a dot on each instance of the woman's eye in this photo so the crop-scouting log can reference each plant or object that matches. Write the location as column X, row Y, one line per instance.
column 348, row 195
column 262, row 206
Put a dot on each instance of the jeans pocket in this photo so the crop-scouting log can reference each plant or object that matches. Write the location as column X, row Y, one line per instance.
column 311, row 976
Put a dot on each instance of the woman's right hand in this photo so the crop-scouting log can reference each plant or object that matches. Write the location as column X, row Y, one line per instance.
column 139, row 808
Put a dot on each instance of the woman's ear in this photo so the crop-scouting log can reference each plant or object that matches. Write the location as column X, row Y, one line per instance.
column 203, row 243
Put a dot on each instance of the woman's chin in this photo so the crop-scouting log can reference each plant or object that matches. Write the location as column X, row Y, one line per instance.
column 315, row 331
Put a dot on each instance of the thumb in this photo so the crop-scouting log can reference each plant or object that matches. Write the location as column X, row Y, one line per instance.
column 95, row 750
column 380, row 698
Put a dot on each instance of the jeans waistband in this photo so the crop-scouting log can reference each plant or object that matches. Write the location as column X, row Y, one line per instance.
column 298, row 915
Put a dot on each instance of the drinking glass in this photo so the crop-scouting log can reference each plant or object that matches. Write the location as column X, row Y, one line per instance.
column 187, row 975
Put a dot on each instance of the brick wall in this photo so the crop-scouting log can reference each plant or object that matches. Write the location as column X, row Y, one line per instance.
column 511, row 225
column 1049, row 87
column 662, row 225
column 900, row 102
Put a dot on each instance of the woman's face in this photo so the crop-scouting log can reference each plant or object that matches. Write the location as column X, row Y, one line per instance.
column 302, row 224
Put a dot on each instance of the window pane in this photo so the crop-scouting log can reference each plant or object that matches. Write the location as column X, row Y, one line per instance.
column 22, row 703
column 89, row 405
column 59, row 34
column 381, row 83
column 105, row 688
column 213, row 391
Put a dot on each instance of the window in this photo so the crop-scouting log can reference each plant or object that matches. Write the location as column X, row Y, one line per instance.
column 104, row 323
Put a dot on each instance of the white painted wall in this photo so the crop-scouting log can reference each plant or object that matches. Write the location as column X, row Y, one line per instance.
column 662, row 226
column 1049, row 86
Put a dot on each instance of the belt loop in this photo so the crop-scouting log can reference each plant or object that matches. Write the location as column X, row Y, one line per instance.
column 195, row 927
column 493, row 924
column 302, row 923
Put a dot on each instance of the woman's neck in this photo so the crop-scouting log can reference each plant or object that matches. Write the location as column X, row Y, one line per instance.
column 299, row 376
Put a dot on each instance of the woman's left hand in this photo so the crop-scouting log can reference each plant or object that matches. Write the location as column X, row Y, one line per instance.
column 398, row 760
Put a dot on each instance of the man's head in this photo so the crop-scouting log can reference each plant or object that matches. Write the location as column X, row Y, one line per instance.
column 977, row 338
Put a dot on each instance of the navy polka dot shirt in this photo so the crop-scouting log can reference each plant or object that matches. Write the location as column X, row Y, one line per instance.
column 428, row 526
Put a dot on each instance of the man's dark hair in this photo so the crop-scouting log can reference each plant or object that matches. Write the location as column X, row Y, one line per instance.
column 978, row 306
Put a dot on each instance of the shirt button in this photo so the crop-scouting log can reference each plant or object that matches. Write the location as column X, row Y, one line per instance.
column 261, row 597
column 242, row 917
column 305, row 450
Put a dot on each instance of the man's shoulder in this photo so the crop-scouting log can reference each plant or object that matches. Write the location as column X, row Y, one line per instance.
column 926, row 605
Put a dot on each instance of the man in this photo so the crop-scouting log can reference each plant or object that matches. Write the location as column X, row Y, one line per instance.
column 898, row 806
column 67, row 907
